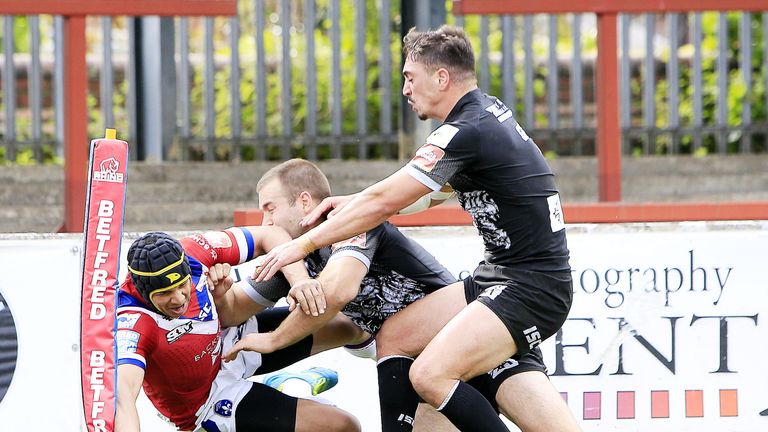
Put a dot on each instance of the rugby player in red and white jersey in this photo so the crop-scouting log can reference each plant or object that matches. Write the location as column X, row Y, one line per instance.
column 170, row 342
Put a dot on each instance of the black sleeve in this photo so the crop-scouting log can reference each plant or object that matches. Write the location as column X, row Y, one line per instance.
column 266, row 293
column 400, row 254
column 362, row 246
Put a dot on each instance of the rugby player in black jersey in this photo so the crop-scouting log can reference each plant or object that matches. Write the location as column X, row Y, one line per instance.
column 522, row 290
column 368, row 277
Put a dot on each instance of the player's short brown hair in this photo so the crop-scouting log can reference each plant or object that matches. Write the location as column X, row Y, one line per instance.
column 447, row 47
column 297, row 176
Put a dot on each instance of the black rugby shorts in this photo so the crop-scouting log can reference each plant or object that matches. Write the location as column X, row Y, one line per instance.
column 533, row 305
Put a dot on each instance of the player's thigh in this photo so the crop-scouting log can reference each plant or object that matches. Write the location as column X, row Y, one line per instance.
column 473, row 342
column 313, row 416
column 262, row 408
column 531, row 401
column 408, row 331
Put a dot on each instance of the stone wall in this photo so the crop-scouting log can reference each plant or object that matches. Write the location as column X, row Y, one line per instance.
column 186, row 196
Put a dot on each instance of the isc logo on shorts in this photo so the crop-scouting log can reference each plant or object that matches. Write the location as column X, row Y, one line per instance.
column 493, row 291
column 533, row 337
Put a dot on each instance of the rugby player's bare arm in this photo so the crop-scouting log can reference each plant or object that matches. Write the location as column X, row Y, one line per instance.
column 129, row 380
column 341, row 280
column 368, row 209
column 268, row 237
column 233, row 305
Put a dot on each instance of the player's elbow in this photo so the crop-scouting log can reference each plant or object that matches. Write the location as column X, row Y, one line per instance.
column 338, row 290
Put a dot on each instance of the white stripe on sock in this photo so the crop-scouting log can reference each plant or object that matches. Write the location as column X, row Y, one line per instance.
column 383, row 359
column 450, row 394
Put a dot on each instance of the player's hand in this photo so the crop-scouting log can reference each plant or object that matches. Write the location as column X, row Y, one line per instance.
column 219, row 281
column 330, row 205
column 256, row 342
column 309, row 295
column 279, row 257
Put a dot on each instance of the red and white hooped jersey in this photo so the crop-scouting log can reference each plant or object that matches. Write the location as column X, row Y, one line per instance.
column 181, row 356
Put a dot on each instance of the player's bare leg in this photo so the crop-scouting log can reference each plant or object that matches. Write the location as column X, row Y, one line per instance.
column 428, row 419
column 313, row 416
column 472, row 343
column 400, row 340
column 531, row 401
column 407, row 332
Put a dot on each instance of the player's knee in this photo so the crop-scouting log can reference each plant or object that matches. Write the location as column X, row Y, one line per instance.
column 423, row 377
column 344, row 422
column 346, row 330
column 390, row 341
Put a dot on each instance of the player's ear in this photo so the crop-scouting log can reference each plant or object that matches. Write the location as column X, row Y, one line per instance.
column 443, row 78
column 305, row 200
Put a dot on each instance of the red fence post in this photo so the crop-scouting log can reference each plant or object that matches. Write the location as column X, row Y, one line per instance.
column 608, row 126
column 75, row 124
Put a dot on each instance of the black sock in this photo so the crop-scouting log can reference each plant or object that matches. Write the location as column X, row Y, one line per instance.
column 397, row 398
column 469, row 411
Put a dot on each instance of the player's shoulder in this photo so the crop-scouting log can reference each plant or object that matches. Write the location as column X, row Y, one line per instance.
column 388, row 231
column 455, row 132
column 359, row 241
column 132, row 312
column 203, row 246
column 392, row 239
column 137, row 320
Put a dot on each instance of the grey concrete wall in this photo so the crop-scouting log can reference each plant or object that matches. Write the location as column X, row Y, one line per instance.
column 187, row 196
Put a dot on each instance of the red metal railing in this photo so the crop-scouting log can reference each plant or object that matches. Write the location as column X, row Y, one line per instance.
column 75, row 74
column 446, row 215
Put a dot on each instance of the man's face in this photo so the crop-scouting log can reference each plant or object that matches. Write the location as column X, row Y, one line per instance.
column 174, row 302
column 421, row 88
column 280, row 210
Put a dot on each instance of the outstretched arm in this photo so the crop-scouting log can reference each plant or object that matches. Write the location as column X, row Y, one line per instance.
column 341, row 281
column 232, row 304
column 129, row 380
column 368, row 209
column 267, row 238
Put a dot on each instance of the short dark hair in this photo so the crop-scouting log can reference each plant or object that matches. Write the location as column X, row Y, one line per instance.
column 297, row 176
column 447, row 47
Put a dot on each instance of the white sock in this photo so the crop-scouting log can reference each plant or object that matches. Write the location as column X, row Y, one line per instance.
column 365, row 350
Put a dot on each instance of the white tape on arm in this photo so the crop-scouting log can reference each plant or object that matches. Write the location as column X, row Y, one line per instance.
column 420, row 204
column 425, row 202
column 440, row 195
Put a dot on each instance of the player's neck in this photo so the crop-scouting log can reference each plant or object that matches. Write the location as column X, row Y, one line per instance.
column 452, row 97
